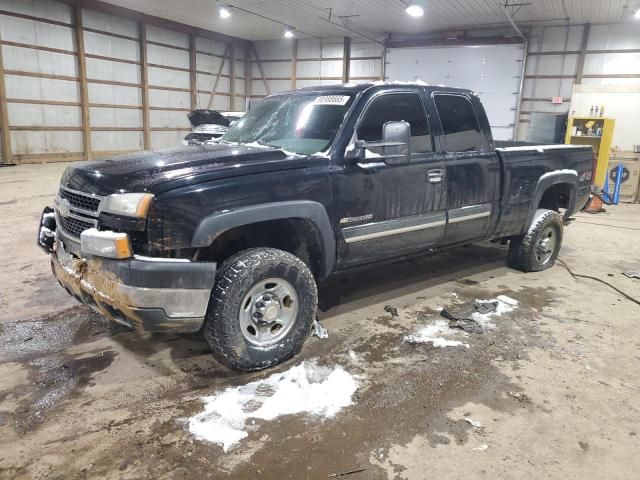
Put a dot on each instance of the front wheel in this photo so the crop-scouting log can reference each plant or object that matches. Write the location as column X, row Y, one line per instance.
column 539, row 248
column 261, row 309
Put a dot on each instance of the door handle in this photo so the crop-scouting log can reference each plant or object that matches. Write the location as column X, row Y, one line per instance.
column 435, row 176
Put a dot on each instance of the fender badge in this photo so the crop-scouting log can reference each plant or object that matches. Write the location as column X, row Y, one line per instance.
column 361, row 218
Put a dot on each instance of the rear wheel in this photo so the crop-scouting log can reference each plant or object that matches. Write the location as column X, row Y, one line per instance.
column 261, row 309
column 539, row 248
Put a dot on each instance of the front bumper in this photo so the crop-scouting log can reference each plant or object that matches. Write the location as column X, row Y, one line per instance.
column 153, row 294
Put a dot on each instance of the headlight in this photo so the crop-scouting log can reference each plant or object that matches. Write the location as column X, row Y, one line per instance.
column 127, row 204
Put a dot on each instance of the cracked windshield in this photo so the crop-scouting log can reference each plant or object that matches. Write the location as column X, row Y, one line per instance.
column 303, row 124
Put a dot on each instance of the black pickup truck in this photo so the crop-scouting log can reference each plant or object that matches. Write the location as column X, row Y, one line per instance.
column 230, row 239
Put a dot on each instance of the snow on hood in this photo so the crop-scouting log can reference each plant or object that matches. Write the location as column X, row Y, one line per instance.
column 306, row 388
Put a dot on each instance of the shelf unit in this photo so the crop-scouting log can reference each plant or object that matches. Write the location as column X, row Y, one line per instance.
column 601, row 143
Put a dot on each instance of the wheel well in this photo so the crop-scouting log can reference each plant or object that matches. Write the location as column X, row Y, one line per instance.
column 556, row 197
column 297, row 236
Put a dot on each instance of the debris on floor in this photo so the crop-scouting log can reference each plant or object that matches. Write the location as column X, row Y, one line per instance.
column 462, row 322
column 306, row 388
column 473, row 423
column 632, row 274
column 392, row 310
column 481, row 448
column 318, row 330
column 344, row 474
column 434, row 334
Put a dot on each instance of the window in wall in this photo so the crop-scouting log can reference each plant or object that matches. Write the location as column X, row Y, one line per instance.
column 459, row 123
column 397, row 107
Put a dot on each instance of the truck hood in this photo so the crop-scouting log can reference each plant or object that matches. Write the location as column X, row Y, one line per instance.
column 156, row 171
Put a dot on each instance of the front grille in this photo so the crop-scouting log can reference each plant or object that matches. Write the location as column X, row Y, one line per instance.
column 82, row 201
column 74, row 226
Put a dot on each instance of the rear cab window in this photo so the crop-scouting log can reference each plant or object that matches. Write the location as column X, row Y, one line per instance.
column 460, row 125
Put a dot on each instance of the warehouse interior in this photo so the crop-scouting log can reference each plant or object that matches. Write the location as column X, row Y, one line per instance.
column 547, row 389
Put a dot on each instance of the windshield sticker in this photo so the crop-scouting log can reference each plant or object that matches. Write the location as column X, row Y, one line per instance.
column 332, row 100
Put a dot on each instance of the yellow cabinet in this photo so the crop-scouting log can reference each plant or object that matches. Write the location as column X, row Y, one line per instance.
column 597, row 132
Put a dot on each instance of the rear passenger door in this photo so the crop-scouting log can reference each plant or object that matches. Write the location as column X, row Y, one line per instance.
column 472, row 168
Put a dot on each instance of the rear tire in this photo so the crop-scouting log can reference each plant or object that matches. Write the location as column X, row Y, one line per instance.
column 261, row 310
column 539, row 248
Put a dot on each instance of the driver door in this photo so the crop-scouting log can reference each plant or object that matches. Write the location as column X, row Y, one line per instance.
column 385, row 208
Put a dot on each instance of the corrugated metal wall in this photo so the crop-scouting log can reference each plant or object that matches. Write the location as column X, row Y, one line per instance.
column 80, row 83
column 609, row 54
column 286, row 64
column 131, row 84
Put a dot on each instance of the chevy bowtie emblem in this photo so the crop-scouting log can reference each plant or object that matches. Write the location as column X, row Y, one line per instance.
column 64, row 207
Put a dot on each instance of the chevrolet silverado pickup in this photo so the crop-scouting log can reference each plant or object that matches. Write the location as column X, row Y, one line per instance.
column 229, row 240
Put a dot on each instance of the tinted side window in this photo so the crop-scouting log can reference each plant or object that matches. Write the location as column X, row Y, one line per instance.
column 394, row 108
column 459, row 123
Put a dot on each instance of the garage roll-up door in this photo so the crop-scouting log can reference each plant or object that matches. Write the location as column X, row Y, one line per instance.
column 493, row 71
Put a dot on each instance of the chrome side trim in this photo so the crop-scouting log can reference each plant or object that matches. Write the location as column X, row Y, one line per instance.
column 393, row 227
column 469, row 213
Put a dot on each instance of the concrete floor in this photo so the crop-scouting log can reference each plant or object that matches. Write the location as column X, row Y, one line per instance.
column 555, row 385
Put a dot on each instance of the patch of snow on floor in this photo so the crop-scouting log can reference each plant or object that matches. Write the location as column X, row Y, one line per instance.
column 305, row 388
column 434, row 334
column 505, row 305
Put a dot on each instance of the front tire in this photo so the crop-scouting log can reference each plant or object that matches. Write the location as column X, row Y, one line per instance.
column 261, row 309
column 539, row 248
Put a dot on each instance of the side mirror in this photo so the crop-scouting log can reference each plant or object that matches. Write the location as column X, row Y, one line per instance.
column 396, row 142
column 395, row 147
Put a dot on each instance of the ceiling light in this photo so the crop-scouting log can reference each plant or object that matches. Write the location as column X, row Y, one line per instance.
column 224, row 12
column 414, row 10
column 637, row 15
column 288, row 33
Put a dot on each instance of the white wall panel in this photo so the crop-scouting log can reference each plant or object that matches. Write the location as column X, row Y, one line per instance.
column 167, row 56
column 273, row 49
column 210, row 46
column 41, row 88
column 112, row 117
column 109, row 23
column 36, row 33
column 273, row 69
column 170, row 37
column 110, row 141
column 21, row 114
column 168, row 118
column 109, row 70
column 207, row 63
column 107, row 46
column 309, row 69
column 205, row 82
column 168, row 78
column 114, row 94
column 331, row 68
column 220, row 102
column 309, row 48
column 30, row 60
column 617, row 36
column 50, row 9
column 366, row 68
column 164, row 98
column 612, row 63
column 25, row 142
